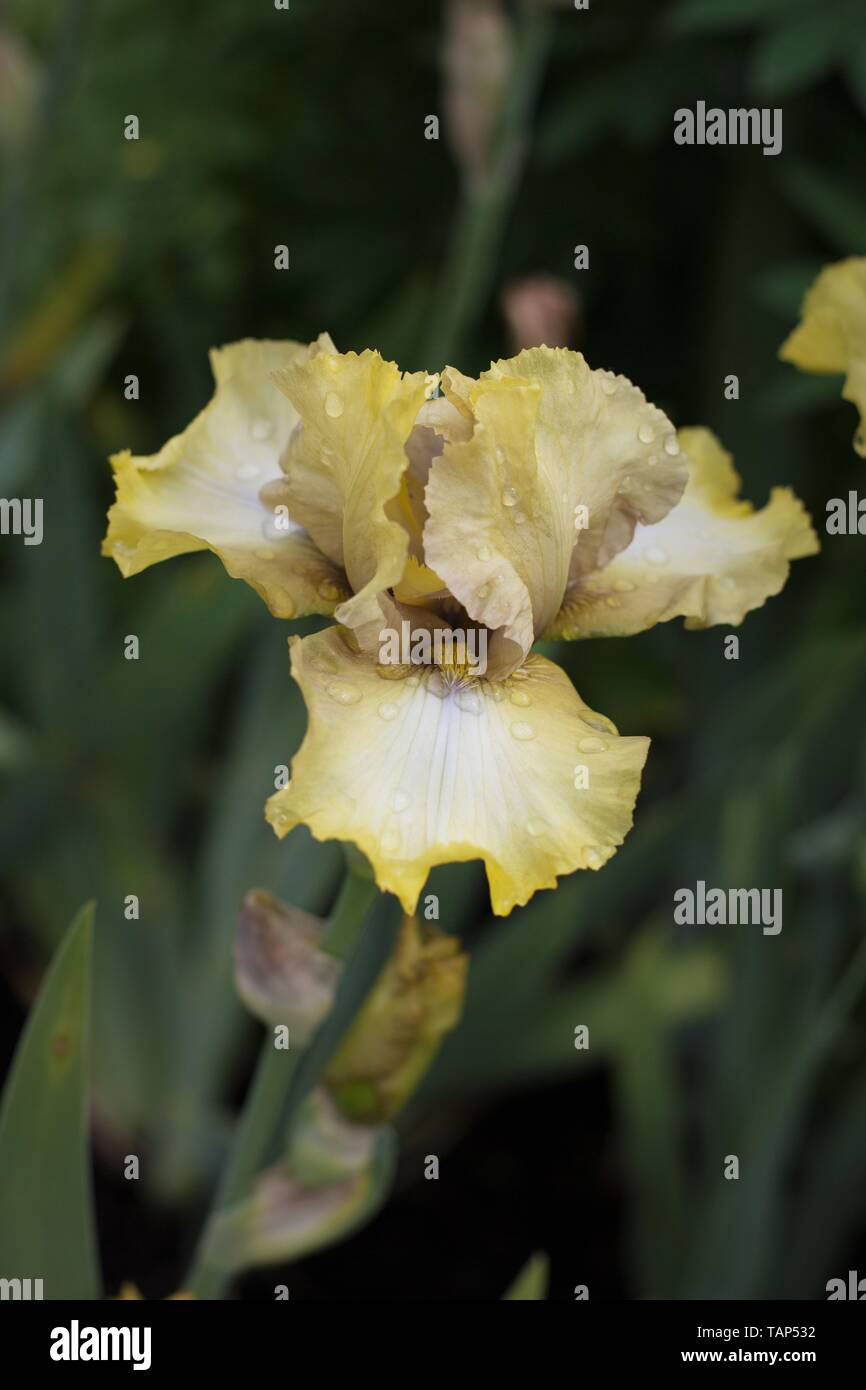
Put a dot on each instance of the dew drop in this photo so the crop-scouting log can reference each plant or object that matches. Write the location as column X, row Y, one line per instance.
column 523, row 732
column 645, row 434
column 657, row 556
column 285, row 601
column 597, row 721
column 672, row 446
column 509, row 497
column 519, row 518
column 520, row 697
column 343, row 692
column 333, row 405
column 399, row 801
column 388, row 711
column 623, row 586
column 593, row 857
column 483, row 592
column 468, row 701
column 484, row 553
column 613, row 602
column 535, row 828
column 329, row 590
column 261, row 429
column 608, row 385
column 592, row 745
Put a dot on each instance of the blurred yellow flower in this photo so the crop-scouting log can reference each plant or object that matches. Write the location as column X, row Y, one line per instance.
column 831, row 336
column 544, row 498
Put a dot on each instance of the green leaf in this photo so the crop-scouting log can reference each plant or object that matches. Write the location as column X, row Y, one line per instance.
column 46, row 1208
column 532, row 1281
column 792, row 56
column 715, row 16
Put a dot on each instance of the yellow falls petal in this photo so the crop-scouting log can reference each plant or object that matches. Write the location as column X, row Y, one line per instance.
column 831, row 336
column 345, row 466
column 418, row 773
column 710, row 560
column 202, row 490
column 561, row 466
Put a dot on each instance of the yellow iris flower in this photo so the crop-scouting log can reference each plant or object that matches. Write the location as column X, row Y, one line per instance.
column 831, row 336
column 544, row 498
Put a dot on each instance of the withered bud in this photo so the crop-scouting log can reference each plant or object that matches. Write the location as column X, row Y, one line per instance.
column 476, row 64
column 281, row 973
column 540, row 310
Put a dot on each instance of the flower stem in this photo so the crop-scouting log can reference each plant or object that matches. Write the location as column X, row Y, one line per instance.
column 470, row 266
column 266, row 1097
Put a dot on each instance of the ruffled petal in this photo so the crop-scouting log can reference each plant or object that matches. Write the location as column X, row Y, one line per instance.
column 344, row 468
column 561, row 466
column 710, row 560
column 831, row 336
column 415, row 772
column 202, row 490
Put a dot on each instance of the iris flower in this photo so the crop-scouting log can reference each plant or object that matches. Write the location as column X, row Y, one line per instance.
column 542, row 499
column 831, row 336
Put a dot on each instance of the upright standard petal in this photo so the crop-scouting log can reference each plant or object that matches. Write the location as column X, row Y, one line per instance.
column 710, row 560
column 418, row 772
column 344, row 468
column 202, row 490
column 831, row 336
column 562, row 465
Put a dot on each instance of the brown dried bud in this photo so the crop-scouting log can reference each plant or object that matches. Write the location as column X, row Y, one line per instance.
column 281, row 973
column 540, row 310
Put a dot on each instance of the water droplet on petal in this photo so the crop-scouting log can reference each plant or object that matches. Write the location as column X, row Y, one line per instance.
column 520, row 697
column 672, row 445
column 657, row 556
column 623, row 586
column 261, row 429
column 597, row 721
column 608, row 385
column 333, row 405
column 388, row 711
column 519, row 518
column 646, row 434
column 484, row 553
column 468, row 701
column 343, row 692
column 283, row 598
column 593, row 857
column 329, row 590
column 483, row 592
column 535, row 828
column 592, row 745
column 523, row 732
column 509, row 497
column 399, row 801
column 613, row 602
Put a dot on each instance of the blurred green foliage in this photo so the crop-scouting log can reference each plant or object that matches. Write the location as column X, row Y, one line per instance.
column 261, row 127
